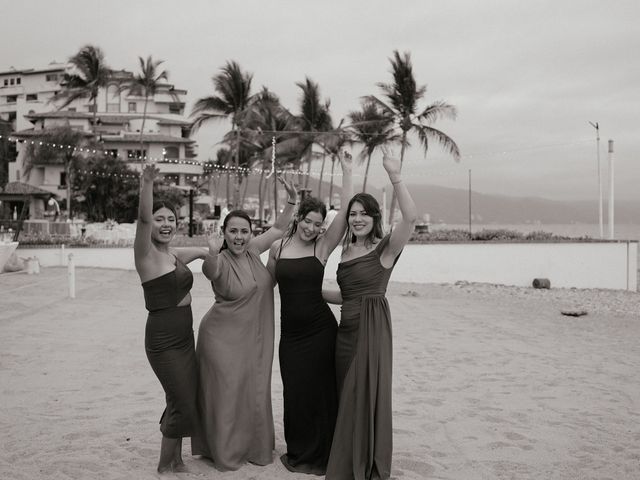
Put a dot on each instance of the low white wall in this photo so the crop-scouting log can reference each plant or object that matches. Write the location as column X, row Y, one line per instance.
column 612, row 265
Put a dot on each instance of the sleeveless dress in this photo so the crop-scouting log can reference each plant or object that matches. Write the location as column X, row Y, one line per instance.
column 170, row 349
column 235, row 357
column 362, row 443
column 307, row 364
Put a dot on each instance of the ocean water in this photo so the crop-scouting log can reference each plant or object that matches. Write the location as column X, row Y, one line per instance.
column 574, row 230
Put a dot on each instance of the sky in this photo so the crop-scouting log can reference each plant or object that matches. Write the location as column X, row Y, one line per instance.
column 525, row 77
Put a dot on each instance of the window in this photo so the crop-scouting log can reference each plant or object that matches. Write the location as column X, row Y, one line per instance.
column 71, row 109
column 136, row 154
column 32, row 97
column 6, row 82
column 51, row 77
column 12, row 98
column 12, row 81
column 172, row 153
column 175, row 108
column 18, row 80
column 132, row 106
column 63, row 179
column 91, row 108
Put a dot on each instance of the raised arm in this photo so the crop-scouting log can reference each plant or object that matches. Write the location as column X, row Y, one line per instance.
column 210, row 264
column 142, row 243
column 335, row 232
column 263, row 242
column 403, row 229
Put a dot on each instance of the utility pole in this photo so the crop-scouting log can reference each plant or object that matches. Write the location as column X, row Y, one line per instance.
column 600, row 222
column 469, row 203
column 611, row 191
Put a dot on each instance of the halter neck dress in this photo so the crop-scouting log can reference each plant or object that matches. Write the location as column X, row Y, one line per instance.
column 235, row 357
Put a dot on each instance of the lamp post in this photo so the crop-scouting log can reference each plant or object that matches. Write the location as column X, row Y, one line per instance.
column 600, row 223
column 611, row 192
column 469, row 203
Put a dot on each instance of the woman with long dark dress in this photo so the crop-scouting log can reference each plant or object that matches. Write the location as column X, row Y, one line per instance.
column 235, row 346
column 169, row 343
column 308, row 331
column 362, row 441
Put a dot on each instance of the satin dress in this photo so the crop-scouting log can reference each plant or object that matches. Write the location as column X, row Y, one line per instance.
column 362, row 441
column 307, row 364
column 235, row 357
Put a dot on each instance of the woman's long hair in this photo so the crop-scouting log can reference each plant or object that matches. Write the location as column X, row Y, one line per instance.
column 309, row 204
column 230, row 215
column 371, row 206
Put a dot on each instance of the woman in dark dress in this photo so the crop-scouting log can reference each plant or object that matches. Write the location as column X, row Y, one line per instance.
column 362, row 441
column 308, row 332
column 169, row 342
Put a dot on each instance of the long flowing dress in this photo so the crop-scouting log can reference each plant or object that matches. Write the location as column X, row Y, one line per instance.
column 170, row 349
column 235, row 356
column 307, row 364
column 362, row 442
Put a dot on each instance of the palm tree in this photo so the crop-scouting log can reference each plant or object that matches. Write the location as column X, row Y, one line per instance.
column 372, row 127
column 91, row 74
column 314, row 117
column 57, row 145
column 145, row 84
column 233, row 87
column 403, row 96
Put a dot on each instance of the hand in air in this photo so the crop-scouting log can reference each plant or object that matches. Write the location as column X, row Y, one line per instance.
column 214, row 240
column 390, row 161
column 290, row 188
column 346, row 160
column 150, row 172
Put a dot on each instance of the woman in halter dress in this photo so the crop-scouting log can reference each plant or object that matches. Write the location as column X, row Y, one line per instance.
column 235, row 346
column 169, row 344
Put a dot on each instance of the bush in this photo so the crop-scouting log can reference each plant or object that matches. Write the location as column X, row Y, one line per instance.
column 489, row 235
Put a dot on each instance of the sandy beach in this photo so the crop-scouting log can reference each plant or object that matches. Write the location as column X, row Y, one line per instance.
column 490, row 382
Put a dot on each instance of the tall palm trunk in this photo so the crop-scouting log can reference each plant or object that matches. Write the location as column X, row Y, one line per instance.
column 144, row 119
column 227, row 200
column 392, row 208
column 308, row 176
column 67, row 172
column 324, row 158
column 244, row 191
column 366, row 174
column 95, row 113
column 333, row 166
column 236, row 164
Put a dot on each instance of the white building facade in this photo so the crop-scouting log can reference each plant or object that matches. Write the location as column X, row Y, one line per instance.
column 28, row 101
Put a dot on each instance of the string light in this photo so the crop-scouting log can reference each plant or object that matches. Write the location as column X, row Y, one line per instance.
column 259, row 171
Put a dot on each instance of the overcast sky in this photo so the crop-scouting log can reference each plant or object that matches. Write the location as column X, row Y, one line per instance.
column 525, row 76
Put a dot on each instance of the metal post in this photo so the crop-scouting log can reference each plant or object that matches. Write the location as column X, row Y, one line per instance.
column 600, row 213
column 469, row 203
column 71, row 274
column 611, row 192
column 191, row 212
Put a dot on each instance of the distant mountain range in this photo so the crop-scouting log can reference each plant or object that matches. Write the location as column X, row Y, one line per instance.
column 451, row 205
